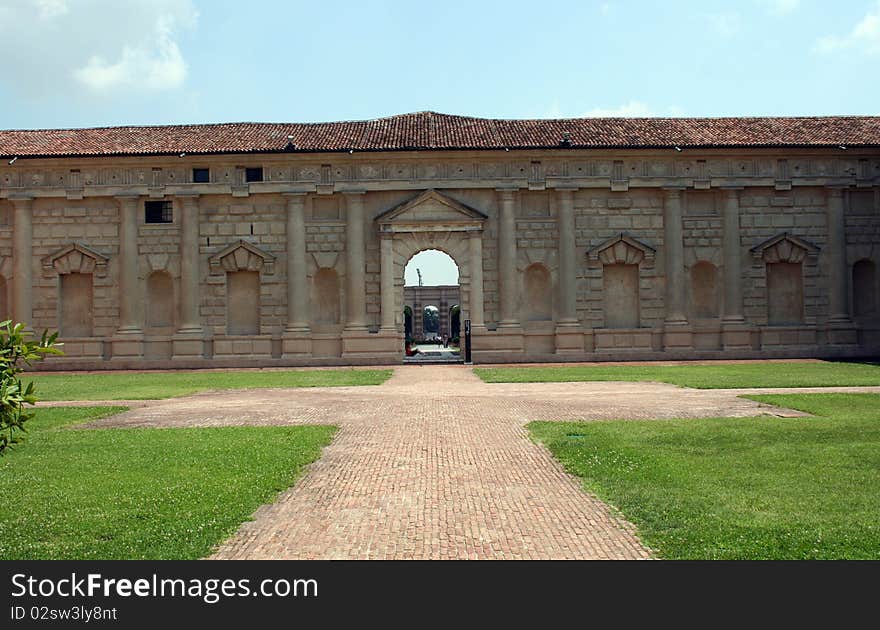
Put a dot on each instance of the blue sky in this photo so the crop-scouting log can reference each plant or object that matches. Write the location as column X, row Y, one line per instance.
column 105, row 62
column 112, row 62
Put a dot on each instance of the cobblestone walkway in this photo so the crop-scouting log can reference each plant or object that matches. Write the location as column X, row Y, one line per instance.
column 436, row 464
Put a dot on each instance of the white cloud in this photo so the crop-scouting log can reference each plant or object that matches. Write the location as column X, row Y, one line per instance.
column 865, row 36
column 154, row 68
column 781, row 7
column 605, row 8
column 85, row 48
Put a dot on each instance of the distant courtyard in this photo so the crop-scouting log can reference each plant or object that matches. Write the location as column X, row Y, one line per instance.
column 667, row 461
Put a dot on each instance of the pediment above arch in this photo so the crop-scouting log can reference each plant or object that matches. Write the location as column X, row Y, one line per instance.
column 784, row 247
column 242, row 256
column 76, row 258
column 430, row 211
column 622, row 250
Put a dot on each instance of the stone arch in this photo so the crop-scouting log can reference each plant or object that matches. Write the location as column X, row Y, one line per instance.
column 326, row 299
column 705, row 297
column 160, row 309
column 454, row 244
column 537, row 293
column 864, row 287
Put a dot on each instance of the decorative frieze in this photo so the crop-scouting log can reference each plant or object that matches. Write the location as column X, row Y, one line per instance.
column 784, row 173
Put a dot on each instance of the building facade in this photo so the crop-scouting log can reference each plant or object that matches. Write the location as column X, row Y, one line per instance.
column 580, row 239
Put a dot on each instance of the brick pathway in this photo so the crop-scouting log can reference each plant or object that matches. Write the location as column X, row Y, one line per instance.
column 436, row 464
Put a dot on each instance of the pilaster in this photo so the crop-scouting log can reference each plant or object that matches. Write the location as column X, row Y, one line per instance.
column 296, row 340
column 507, row 280
column 189, row 342
column 677, row 334
column 840, row 330
column 22, row 260
column 569, row 336
column 736, row 334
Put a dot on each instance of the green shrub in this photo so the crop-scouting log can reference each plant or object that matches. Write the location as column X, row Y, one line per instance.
column 17, row 347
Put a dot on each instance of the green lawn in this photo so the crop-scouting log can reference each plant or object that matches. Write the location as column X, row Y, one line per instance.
column 720, row 376
column 140, row 493
column 154, row 385
column 743, row 488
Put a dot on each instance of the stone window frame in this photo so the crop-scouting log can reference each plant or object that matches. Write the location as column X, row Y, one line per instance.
column 57, row 264
column 624, row 249
column 788, row 248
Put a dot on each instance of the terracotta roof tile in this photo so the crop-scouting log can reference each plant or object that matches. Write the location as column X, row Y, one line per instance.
column 430, row 130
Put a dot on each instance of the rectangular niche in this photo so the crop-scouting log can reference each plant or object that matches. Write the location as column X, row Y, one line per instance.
column 785, row 294
column 621, row 295
column 325, row 209
column 76, row 304
column 243, row 302
column 700, row 203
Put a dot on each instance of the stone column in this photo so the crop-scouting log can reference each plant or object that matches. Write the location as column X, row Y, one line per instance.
column 475, row 243
column 22, row 261
column 355, row 289
column 674, row 246
column 297, row 284
column 732, row 251
column 507, row 258
column 190, row 318
column 567, row 263
column 387, row 283
column 130, row 315
column 838, row 295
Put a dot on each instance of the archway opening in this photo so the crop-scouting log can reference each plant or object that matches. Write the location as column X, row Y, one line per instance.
column 431, row 312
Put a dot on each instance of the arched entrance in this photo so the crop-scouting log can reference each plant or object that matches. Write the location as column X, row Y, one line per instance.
column 431, row 221
column 430, row 290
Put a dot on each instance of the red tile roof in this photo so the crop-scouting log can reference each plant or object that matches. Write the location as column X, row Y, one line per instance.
column 430, row 130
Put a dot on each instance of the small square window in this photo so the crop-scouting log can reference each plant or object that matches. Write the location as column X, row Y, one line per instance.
column 158, row 212
column 253, row 174
column 201, row 175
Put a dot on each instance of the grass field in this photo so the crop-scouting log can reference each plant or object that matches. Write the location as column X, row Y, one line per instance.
column 155, row 385
column 718, row 376
column 140, row 493
column 743, row 488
